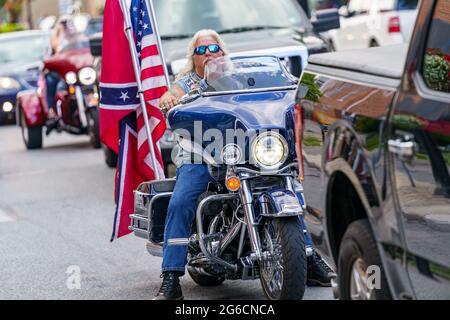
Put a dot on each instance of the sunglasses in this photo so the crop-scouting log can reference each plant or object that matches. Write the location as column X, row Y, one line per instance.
column 201, row 50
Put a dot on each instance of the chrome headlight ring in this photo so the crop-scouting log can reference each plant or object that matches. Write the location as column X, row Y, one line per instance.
column 231, row 154
column 269, row 150
column 8, row 83
column 71, row 78
column 87, row 76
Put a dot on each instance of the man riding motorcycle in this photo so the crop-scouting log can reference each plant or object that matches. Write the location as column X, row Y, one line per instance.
column 193, row 178
column 63, row 33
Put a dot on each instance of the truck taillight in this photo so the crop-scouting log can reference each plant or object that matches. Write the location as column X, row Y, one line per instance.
column 394, row 24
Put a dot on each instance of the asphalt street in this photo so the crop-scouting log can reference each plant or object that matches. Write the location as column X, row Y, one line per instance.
column 56, row 214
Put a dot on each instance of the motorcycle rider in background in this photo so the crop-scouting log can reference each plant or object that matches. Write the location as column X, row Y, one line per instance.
column 63, row 32
column 192, row 179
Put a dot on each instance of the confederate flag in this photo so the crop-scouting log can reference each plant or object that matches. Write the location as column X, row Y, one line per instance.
column 121, row 119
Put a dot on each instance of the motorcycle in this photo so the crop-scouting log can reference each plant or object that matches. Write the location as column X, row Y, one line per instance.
column 247, row 224
column 76, row 98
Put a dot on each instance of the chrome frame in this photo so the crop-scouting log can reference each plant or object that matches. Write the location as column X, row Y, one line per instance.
column 81, row 106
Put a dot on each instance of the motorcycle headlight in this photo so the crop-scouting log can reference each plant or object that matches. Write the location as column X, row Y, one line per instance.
column 7, row 83
column 269, row 150
column 71, row 78
column 231, row 154
column 87, row 76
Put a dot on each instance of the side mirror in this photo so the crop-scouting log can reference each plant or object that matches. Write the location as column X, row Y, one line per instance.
column 95, row 43
column 325, row 20
column 343, row 11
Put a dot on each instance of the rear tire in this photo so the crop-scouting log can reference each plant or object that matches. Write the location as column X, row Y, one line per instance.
column 93, row 120
column 110, row 157
column 204, row 280
column 32, row 137
column 292, row 259
column 358, row 251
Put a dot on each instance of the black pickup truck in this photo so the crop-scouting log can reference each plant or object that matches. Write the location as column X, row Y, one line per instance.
column 374, row 127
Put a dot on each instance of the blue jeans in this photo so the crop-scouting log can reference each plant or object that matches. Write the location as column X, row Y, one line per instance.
column 52, row 79
column 192, row 181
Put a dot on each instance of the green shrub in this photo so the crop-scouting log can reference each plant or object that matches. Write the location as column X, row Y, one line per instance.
column 11, row 27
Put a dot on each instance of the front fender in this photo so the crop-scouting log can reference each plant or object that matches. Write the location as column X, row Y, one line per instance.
column 279, row 204
column 29, row 104
column 344, row 152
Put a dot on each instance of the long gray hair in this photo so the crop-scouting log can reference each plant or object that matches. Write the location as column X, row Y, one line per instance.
column 191, row 47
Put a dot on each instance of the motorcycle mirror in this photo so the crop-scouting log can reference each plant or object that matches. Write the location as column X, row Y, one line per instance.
column 189, row 97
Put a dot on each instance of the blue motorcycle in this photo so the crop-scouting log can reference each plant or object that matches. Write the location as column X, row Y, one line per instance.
column 247, row 226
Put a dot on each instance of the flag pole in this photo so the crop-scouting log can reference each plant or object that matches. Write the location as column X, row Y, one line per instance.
column 137, row 72
column 149, row 4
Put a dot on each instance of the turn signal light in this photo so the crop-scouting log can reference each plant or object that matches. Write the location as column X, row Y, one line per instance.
column 72, row 90
column 233, row 183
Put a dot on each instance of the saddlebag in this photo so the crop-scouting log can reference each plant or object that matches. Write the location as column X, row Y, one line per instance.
column 151, row 200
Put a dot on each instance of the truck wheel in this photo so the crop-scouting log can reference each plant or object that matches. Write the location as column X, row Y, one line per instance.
column 283, row 273
column 93, row 120
column 204, row 280
column 373, row 43
column 358, row 251
column 110, row 157
column 32, row 136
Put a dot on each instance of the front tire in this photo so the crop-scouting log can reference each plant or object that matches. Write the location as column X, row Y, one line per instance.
column 283, row 277
column 32, row 136
column 358, row 251
column 110, row 157
column 93, row 120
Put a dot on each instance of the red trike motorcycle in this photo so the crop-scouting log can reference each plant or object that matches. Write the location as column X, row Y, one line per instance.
column 75, row 102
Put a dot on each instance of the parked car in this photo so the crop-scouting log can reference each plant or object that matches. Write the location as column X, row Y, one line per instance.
column 372, row 23
column 375, row 146
column 273, row 27
column 21, row 55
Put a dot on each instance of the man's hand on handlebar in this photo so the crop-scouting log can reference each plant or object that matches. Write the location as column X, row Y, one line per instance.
column 170, row 98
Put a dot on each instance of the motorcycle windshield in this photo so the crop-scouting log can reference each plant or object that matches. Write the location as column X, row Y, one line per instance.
column 226, row 74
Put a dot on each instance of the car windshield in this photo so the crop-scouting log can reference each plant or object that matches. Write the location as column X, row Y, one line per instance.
column 80, row 41
column 246, row 73
column 23, row 49
column 95, row 25
column 182, row 18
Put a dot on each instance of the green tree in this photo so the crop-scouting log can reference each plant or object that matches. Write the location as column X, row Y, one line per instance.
column 14, row 9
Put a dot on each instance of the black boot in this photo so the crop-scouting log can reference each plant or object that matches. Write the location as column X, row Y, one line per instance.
column 51, row 124
column 318, row 272
column 170, row 288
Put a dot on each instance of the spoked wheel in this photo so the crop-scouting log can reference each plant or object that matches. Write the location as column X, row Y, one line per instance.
column 283, row 267
column 32, row 137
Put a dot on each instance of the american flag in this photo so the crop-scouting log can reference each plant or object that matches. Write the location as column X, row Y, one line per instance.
column 122, row 126
column 152, row 77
